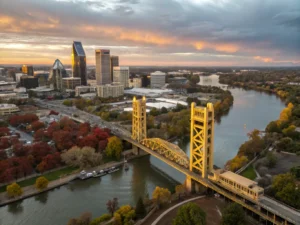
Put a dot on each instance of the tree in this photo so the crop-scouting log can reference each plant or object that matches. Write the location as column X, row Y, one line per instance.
column 237, row 162
column 164, row 110
column 36, row 125
column 126, row 213
column 284, row 144
column 291, row 132
column 272, row 127
column 195, row 79
column 63, row 139
column 4, row 131
column 67, row 102
column 161, row 195
column 114, row 148
column 14, row 190
column 190, row 214
column 41, row 183
column 271, row 160
column 140, row 209
column 81, row 157
column 281, row 180
column 233, row 214
column 84, row 219
column 180, row 190
column 112, row 205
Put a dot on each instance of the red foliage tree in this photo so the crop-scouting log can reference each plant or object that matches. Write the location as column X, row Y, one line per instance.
column 15, row 120
column 21, row 150
column 54, row 126
column 3, row 155
column 40, row 150
column 67, row 124
column 102, row 145
column 100, row 134
column 84, row 129
column 63, row 140
column 36, row 125
column 19, row 167
column 52, row 112
column 89, row 140
column 4, row 131
column 4, row 143
column 39, row 135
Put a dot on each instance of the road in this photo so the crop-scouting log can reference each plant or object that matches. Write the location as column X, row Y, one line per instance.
column 23, row 135
column 82, row 115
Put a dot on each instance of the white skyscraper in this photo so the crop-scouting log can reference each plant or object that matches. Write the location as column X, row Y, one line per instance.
column 103, row 75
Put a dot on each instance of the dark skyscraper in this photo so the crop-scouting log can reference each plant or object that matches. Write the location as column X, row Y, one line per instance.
column 114, row 61
column 79, row 62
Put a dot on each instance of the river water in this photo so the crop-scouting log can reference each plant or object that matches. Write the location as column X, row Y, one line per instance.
column 250, row 110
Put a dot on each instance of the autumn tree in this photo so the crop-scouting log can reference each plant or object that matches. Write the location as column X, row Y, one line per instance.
column 4, row 131
column 126, row 213
column 161, row 195
column 233, row 214
column 89, row 141
column 81, row 157
column 112, row 205
column 14, row 190
column 114, row 148
column 103, row 218
column 190, row 214
column 180, row 190
column 36, row 125
column 237, row 162
column 41, row 183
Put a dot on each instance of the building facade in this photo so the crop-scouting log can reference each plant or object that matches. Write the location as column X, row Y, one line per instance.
column 114, row 61
column 42, row 77
column 110, row 90
column 8, row 109
column 57, row 74
column 29, row 82
column 79, row 62
column 158, row 79
column 7, row 86
column 135, row 82
column 121, row 75
column 71, row 82
column 103, row 75
column 85, row 89
column 26, row 69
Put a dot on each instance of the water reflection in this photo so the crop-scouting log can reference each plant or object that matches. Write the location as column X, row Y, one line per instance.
column 78, row 185
column 42, row 198
column 15, row 208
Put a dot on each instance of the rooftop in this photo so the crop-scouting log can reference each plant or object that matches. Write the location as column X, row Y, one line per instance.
column 78, row 48
column 72, row 78
column 157, row 73
column 3, row 106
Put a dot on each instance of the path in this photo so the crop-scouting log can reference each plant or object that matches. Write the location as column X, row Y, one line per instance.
column 173, row 207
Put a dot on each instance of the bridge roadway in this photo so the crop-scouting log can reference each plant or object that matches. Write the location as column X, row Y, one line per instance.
column 272, row 207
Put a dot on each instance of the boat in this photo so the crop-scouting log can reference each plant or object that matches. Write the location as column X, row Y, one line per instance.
column 113, row 169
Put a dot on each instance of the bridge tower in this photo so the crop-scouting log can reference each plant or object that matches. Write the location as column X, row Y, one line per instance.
column 139, row 128
column 202, row 139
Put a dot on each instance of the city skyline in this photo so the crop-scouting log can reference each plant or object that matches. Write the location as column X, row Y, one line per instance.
column 153, row 32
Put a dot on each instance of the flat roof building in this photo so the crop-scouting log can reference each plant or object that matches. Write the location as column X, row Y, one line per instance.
column 135, row 82
column 158, row 79
column 121, row 75
column 71, row 82
column 79, row 62
column 7, row 86
column 79, row 90
column 42, row 77
column 110, row 90
column 103, row 74
column 8, row 109
column 29, row 82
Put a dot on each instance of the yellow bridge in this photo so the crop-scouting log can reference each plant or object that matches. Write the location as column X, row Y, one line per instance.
column 198, row 168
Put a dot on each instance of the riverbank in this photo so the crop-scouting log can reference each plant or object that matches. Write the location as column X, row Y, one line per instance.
column 30, row 191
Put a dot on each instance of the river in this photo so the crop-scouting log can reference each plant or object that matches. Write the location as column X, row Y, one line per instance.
column 250, row 110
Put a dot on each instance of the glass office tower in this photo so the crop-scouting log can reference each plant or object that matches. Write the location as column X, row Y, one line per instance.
column 79, row 62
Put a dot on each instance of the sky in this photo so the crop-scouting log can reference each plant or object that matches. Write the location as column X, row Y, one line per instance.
column 153, row 32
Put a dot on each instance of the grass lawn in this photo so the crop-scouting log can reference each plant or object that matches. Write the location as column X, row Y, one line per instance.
column 249, row 173
column 50, row 176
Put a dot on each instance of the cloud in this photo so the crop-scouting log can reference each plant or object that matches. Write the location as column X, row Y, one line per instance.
column 253, row 31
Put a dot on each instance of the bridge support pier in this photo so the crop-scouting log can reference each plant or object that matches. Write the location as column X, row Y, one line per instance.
column 193, row 186
column 135, row 150
column 188, row 184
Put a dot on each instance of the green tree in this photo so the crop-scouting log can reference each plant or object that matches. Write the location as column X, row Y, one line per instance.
column 291, row 132
column 161, row 195
column 190, row 214
column 154, row 112
column 41, row 183
column 114, row 148
column 14, row 190
column 195, row 79
column 126, row 213
column 98, row 220
column 272, row 127
column 271, row 160
column 140, row 209
column 281, row 180
column 237, row 162
column 233, row 214
column 164, row 110
column 67, row 102
column 284, row 144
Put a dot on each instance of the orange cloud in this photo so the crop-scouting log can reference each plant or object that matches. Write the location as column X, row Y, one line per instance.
column 263, row 59
column 119, row 33
column 220, row 47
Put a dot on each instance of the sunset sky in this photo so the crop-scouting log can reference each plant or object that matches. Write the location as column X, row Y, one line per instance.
column 153, row 32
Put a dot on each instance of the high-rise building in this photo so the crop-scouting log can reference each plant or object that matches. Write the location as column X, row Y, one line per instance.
column 57, row 73
column 79, row 62
column 26, row 69
column 103, row 75
column 114, row 61
column 71, row 83
column 158, row 79
column 42, row 77
column 121, row 75
column 29, row 82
